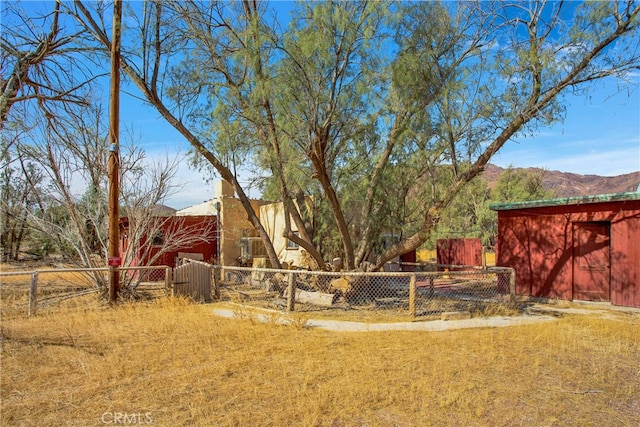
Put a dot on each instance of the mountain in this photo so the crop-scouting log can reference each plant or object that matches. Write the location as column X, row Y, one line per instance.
column 567, row 184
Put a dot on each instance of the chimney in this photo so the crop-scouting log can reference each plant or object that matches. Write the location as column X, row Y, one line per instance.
column 223, row 189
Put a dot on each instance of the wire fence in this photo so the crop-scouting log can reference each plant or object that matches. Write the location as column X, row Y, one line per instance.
column 419, row 291
column 446, row 289
column 25, row 292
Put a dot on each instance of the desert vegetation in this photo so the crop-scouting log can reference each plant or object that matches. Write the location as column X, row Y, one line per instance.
column 384, row 122
column 169, row 362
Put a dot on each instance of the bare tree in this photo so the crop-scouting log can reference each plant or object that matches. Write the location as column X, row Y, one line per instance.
column 44, row 71
column 69, row 203
column 146, row 62
column 20, row 182
column 150, row 232
column 42, row 63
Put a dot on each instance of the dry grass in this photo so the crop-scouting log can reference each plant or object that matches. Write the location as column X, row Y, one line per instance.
column 173, row 363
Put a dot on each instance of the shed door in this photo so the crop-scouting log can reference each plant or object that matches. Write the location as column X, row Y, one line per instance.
column 591, row 261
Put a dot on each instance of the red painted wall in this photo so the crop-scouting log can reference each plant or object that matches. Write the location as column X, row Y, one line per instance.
column 459, row 251
column 409, row 257
column 539, row 244
column 190, row 224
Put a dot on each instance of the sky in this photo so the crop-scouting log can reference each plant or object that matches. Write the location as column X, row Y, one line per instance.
column 600, row 135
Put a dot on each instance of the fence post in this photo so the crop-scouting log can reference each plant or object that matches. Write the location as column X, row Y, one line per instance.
column 33, row 294
column 431, row 285
column 291, row 292
column 168, row 282
column 412, row 296
column 216, row 283
column 512, row 286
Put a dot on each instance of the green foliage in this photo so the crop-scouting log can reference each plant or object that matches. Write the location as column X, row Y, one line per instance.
column 396, row 135
column 384, row 113
column 519, row 185
column 469, row 216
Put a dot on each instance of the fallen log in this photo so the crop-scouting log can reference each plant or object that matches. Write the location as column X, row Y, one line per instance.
column 316, row 298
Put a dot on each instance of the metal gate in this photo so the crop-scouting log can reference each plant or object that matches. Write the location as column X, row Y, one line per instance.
column 193, row 280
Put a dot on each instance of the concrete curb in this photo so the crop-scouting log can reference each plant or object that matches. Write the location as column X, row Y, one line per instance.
column 430, row 326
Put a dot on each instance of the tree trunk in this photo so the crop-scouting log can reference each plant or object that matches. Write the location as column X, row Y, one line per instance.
column 336, row 209
column 150, row 93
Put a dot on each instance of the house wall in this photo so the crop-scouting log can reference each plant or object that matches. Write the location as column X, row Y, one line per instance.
column 538, row 244
column 188, row 224
column 273, row 220
column 234, row 221
column 235, row 225
column 194, row 225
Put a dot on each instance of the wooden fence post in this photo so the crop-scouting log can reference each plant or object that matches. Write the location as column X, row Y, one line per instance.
column 291, row 295
column 512, row 286
column 216, row 283
column 412, row 296
column 168, row 280
column 431, row 286
column 33, row 294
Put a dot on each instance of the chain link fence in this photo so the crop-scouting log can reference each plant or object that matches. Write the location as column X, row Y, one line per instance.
column 440, row 291
column 414, row 293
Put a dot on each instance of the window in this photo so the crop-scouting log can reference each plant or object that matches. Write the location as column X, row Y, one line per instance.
column 251, row 248
column 158, row 238
column 292, row 245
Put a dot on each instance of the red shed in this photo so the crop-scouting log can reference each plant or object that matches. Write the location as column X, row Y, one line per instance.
column 459, row 251
column 577, row 248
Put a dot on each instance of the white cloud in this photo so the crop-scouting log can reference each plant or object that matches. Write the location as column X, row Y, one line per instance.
column 194, row 188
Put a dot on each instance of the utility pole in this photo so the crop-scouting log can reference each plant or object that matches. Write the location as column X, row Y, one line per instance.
column 114, row 260
column 218, row 206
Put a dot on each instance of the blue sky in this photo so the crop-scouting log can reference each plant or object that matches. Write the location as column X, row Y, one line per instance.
column 600, row 135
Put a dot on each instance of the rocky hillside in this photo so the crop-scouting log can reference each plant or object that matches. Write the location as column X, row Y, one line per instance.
column 567, row 184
